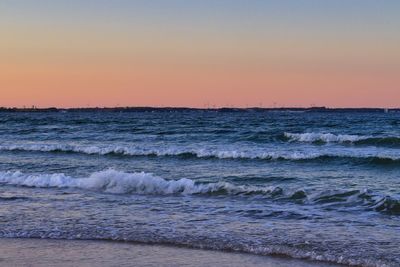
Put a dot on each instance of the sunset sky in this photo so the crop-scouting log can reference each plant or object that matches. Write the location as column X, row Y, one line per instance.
column 70, row 53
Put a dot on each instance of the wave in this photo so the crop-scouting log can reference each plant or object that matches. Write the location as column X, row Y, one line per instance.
column 366, row 198
column 323, row 137
column 381, row 141
column 117, row 182
column 381, row 157
column 363, row 198
column 343, row 138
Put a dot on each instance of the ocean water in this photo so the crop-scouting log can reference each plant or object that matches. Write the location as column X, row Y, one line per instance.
column 323, row 186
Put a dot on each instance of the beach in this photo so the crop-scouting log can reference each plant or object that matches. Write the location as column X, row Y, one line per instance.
column 48, row 252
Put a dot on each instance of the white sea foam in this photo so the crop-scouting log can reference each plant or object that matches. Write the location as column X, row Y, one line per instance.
column 162, row 151
column 221, row 152
column 324, row 137
column 117, row 182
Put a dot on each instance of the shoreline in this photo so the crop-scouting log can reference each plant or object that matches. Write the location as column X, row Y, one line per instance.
column 61, row 252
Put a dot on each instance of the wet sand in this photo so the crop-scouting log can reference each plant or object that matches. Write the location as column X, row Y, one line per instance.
column 46, row 252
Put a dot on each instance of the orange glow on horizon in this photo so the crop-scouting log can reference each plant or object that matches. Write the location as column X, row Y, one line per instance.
column 78, row 86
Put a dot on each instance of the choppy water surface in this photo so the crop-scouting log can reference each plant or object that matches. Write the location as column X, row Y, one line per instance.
column 322, row 186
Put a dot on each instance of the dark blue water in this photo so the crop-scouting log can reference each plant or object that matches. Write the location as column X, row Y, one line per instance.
column 322, row 186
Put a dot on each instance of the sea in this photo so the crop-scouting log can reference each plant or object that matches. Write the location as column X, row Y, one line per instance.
column 308, row 184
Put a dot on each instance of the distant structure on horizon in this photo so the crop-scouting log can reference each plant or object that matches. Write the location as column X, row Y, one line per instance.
column 213, row 108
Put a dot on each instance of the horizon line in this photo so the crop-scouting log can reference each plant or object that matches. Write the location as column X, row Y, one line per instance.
column 33, row 107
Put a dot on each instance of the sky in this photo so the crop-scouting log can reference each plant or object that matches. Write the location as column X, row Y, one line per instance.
column 299, row 53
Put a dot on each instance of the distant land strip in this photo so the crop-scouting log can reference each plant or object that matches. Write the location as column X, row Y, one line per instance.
column 179, row 109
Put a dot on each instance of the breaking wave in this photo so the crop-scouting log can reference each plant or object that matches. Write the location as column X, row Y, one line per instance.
column 112, row 181
column 323, row 137
column 117, row 182
column 379, row 157
column 343, row 138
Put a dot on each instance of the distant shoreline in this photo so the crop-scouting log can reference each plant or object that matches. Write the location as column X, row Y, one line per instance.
column 178, row 109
